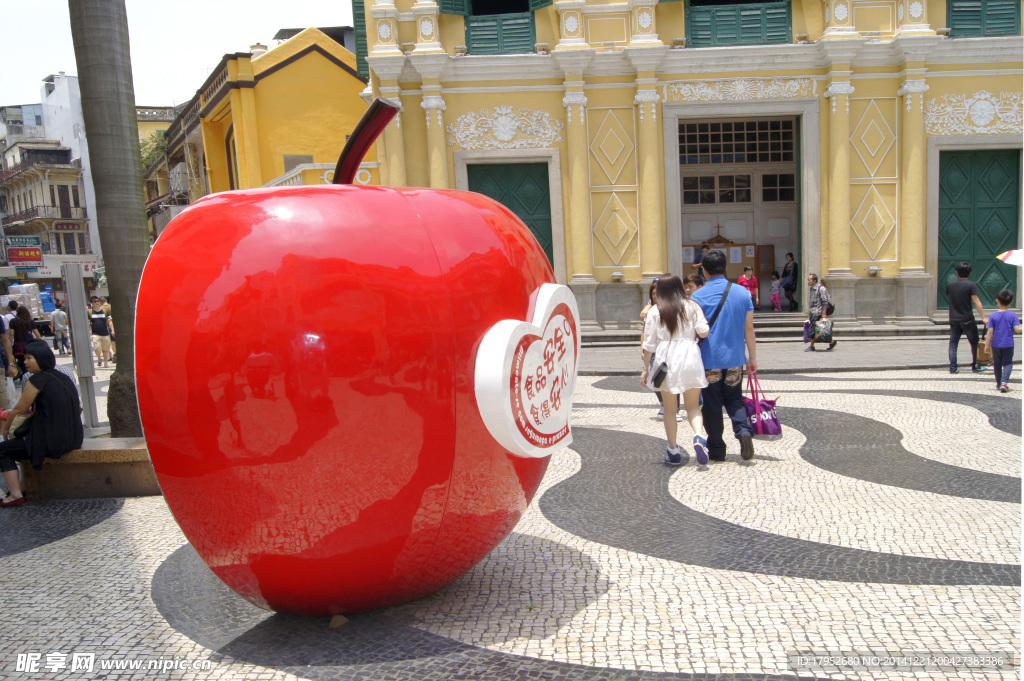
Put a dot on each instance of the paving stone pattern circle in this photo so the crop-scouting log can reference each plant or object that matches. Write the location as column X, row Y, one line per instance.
column 620, row 498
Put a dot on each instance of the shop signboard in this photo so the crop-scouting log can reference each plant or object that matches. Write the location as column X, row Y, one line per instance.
column 24, row 251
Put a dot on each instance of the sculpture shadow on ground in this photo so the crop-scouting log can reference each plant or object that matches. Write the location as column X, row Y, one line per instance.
column 38, row 523
column 196, row 603
column 378, row 646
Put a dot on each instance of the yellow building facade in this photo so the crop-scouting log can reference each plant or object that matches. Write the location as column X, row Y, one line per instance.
column 264, row 118
column 879, row 141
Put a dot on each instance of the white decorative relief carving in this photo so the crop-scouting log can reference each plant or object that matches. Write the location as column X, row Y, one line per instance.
column 842, row 12
column 740, row 88
column 916, row 10
column 839, row 88
column 909, row 88
column 572, row 99
column 505, row 128
column 647, row 97
column 979, row 114
column 436, row 103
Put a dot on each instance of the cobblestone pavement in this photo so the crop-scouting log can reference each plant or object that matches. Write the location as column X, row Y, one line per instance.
column 886, row 520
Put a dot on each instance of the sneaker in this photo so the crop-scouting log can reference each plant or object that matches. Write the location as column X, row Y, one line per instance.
column 832, row 344
column 661, row 412
column 747, row 446
column 1004, row 388
column 700, row 447
column 977, row 369
column 809, row 348
column 954, row 370
column 673, row 459
column 679, row 416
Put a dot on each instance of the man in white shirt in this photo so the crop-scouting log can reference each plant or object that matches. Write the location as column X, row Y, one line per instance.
column 59, row 326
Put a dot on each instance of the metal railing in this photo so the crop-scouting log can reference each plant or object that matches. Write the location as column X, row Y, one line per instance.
column 33, row 162
column 45, row 213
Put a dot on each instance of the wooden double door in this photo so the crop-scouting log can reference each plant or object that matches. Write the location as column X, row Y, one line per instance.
column 979, row 218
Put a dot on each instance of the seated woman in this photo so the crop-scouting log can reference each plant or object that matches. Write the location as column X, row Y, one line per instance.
column 54, row 426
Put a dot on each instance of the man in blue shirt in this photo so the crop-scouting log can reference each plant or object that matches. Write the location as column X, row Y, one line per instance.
column 729, row 348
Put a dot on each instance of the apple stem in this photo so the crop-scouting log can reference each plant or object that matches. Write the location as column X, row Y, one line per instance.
column 369, row 127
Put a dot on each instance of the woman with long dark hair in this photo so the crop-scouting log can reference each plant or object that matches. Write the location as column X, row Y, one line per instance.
column 54, row 420
column 23, row 331
column 671, row 331
column 789, row 281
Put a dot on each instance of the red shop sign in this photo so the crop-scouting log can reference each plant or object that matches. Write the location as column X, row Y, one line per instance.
column 25, row 255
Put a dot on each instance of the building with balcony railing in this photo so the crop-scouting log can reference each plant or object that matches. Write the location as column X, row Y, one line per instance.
column 879, row 141
column 42, row 189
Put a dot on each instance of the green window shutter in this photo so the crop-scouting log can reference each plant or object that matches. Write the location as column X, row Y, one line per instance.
column 359, row 21
column 751, row 25
column 668, row 0
column 965, row 18
column 778, row 25
column 726, row 25
column 699, row 28
column 537, row 4
column 454, row 7
column 516, row 33
column 1002, row 17
column 500, row 33
column 482, row 34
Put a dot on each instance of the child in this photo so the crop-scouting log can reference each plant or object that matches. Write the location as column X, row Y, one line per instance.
column 692, row 282
column 749, row 282
column 999, row 340
column 776, row 296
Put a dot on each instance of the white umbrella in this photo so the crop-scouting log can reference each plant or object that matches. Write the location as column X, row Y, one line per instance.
column 1015, row 257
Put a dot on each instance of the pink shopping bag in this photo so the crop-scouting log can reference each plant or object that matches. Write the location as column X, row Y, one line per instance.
column 761, row 412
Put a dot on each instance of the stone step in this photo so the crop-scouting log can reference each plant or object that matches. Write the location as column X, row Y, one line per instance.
column 785, row 325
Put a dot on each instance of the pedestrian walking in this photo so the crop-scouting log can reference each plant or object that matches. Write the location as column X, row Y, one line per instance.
column 962, row 295
column 652, row 301
column 730, row 347
column 775, row 296
column 749, row 282
column 101, row 326
column 999, row 339
column 692, row 282
column 59, row 327
column 819, row 307
column 790, row 279
column 671, row 331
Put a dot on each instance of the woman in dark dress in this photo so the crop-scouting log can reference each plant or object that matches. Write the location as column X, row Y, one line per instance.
column 54, row 426
column 23, row 332
column 789, row 281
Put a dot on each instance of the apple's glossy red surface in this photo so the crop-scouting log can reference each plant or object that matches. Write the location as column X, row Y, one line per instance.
column 304, row 362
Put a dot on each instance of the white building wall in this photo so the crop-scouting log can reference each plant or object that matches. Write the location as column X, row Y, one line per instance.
column 63, row 120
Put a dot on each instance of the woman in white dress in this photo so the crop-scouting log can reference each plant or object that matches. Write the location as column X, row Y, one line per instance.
column 671, row 331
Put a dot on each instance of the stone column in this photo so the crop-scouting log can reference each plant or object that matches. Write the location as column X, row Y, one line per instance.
column 644, row 29
column 913, row 280
column 841, row 282
column 428, row 32
column 581, row 237
column 382, row 32
column 838, row 19
column 430, row 67
column 653, row 252
column 839, row 92
column 394, row 143
column 570, row 22
column 912, row 18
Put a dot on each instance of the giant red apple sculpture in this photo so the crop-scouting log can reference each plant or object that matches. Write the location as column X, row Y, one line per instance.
column 349, row 394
